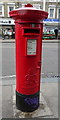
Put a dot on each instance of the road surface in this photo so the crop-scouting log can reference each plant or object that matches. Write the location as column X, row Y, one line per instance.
column 49, row 59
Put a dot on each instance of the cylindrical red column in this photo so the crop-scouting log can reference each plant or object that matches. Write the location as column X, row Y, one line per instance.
column 28, row 35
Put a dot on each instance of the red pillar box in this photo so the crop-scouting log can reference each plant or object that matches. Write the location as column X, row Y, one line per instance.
column 28, row 35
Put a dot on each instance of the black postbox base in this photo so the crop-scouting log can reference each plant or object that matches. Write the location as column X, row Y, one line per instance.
column 27, row 103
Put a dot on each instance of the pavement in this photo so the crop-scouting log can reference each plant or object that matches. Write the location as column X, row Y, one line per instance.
column 48, row 99
column 44, row 41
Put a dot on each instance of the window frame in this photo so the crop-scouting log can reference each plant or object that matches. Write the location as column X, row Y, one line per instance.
column 52, row 0
column 12, row 5
column 2, row 15
column 57, row 13
column 38, row 5
column 58, row 1
column 37, row 0
column 49, row 12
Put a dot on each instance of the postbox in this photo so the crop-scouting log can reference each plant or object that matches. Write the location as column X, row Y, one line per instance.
column 28, row 36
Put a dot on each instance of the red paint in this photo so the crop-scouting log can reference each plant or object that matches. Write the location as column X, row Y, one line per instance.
column 28, row 67
column 28, row 5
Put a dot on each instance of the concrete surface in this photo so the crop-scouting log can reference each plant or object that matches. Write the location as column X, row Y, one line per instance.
column 7, row 108
column 48, row 100
column 42, row 111
column 50, row 93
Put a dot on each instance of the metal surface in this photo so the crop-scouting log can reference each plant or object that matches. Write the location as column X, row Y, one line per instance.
column 28, row 54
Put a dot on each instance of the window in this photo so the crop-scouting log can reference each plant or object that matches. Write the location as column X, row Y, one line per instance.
column 1, row 10
column 11, row 6
column 23, row 5
column 38, row 0
column 52, row 0
column 51, row 12
column 58, row 0
column 58, row 13
column 37, row 6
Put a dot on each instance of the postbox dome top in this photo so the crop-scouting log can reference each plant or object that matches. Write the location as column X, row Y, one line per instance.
column 28, row 13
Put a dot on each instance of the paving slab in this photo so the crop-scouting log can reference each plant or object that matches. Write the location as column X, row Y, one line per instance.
column 7, row 109
column 7, row 92
column 6, row 106
column 42, row 111
column 48, row 107
column 50, row 93
column 0, row 109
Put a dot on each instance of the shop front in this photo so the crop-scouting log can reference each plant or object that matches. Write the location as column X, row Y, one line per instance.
column 6, row 24
column 49, row 26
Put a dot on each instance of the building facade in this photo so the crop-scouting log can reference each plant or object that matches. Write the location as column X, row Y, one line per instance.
column 5, row 21
column 51, row 6
column 53, row 9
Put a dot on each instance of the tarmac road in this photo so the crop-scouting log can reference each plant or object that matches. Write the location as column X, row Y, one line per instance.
column 49, row 59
